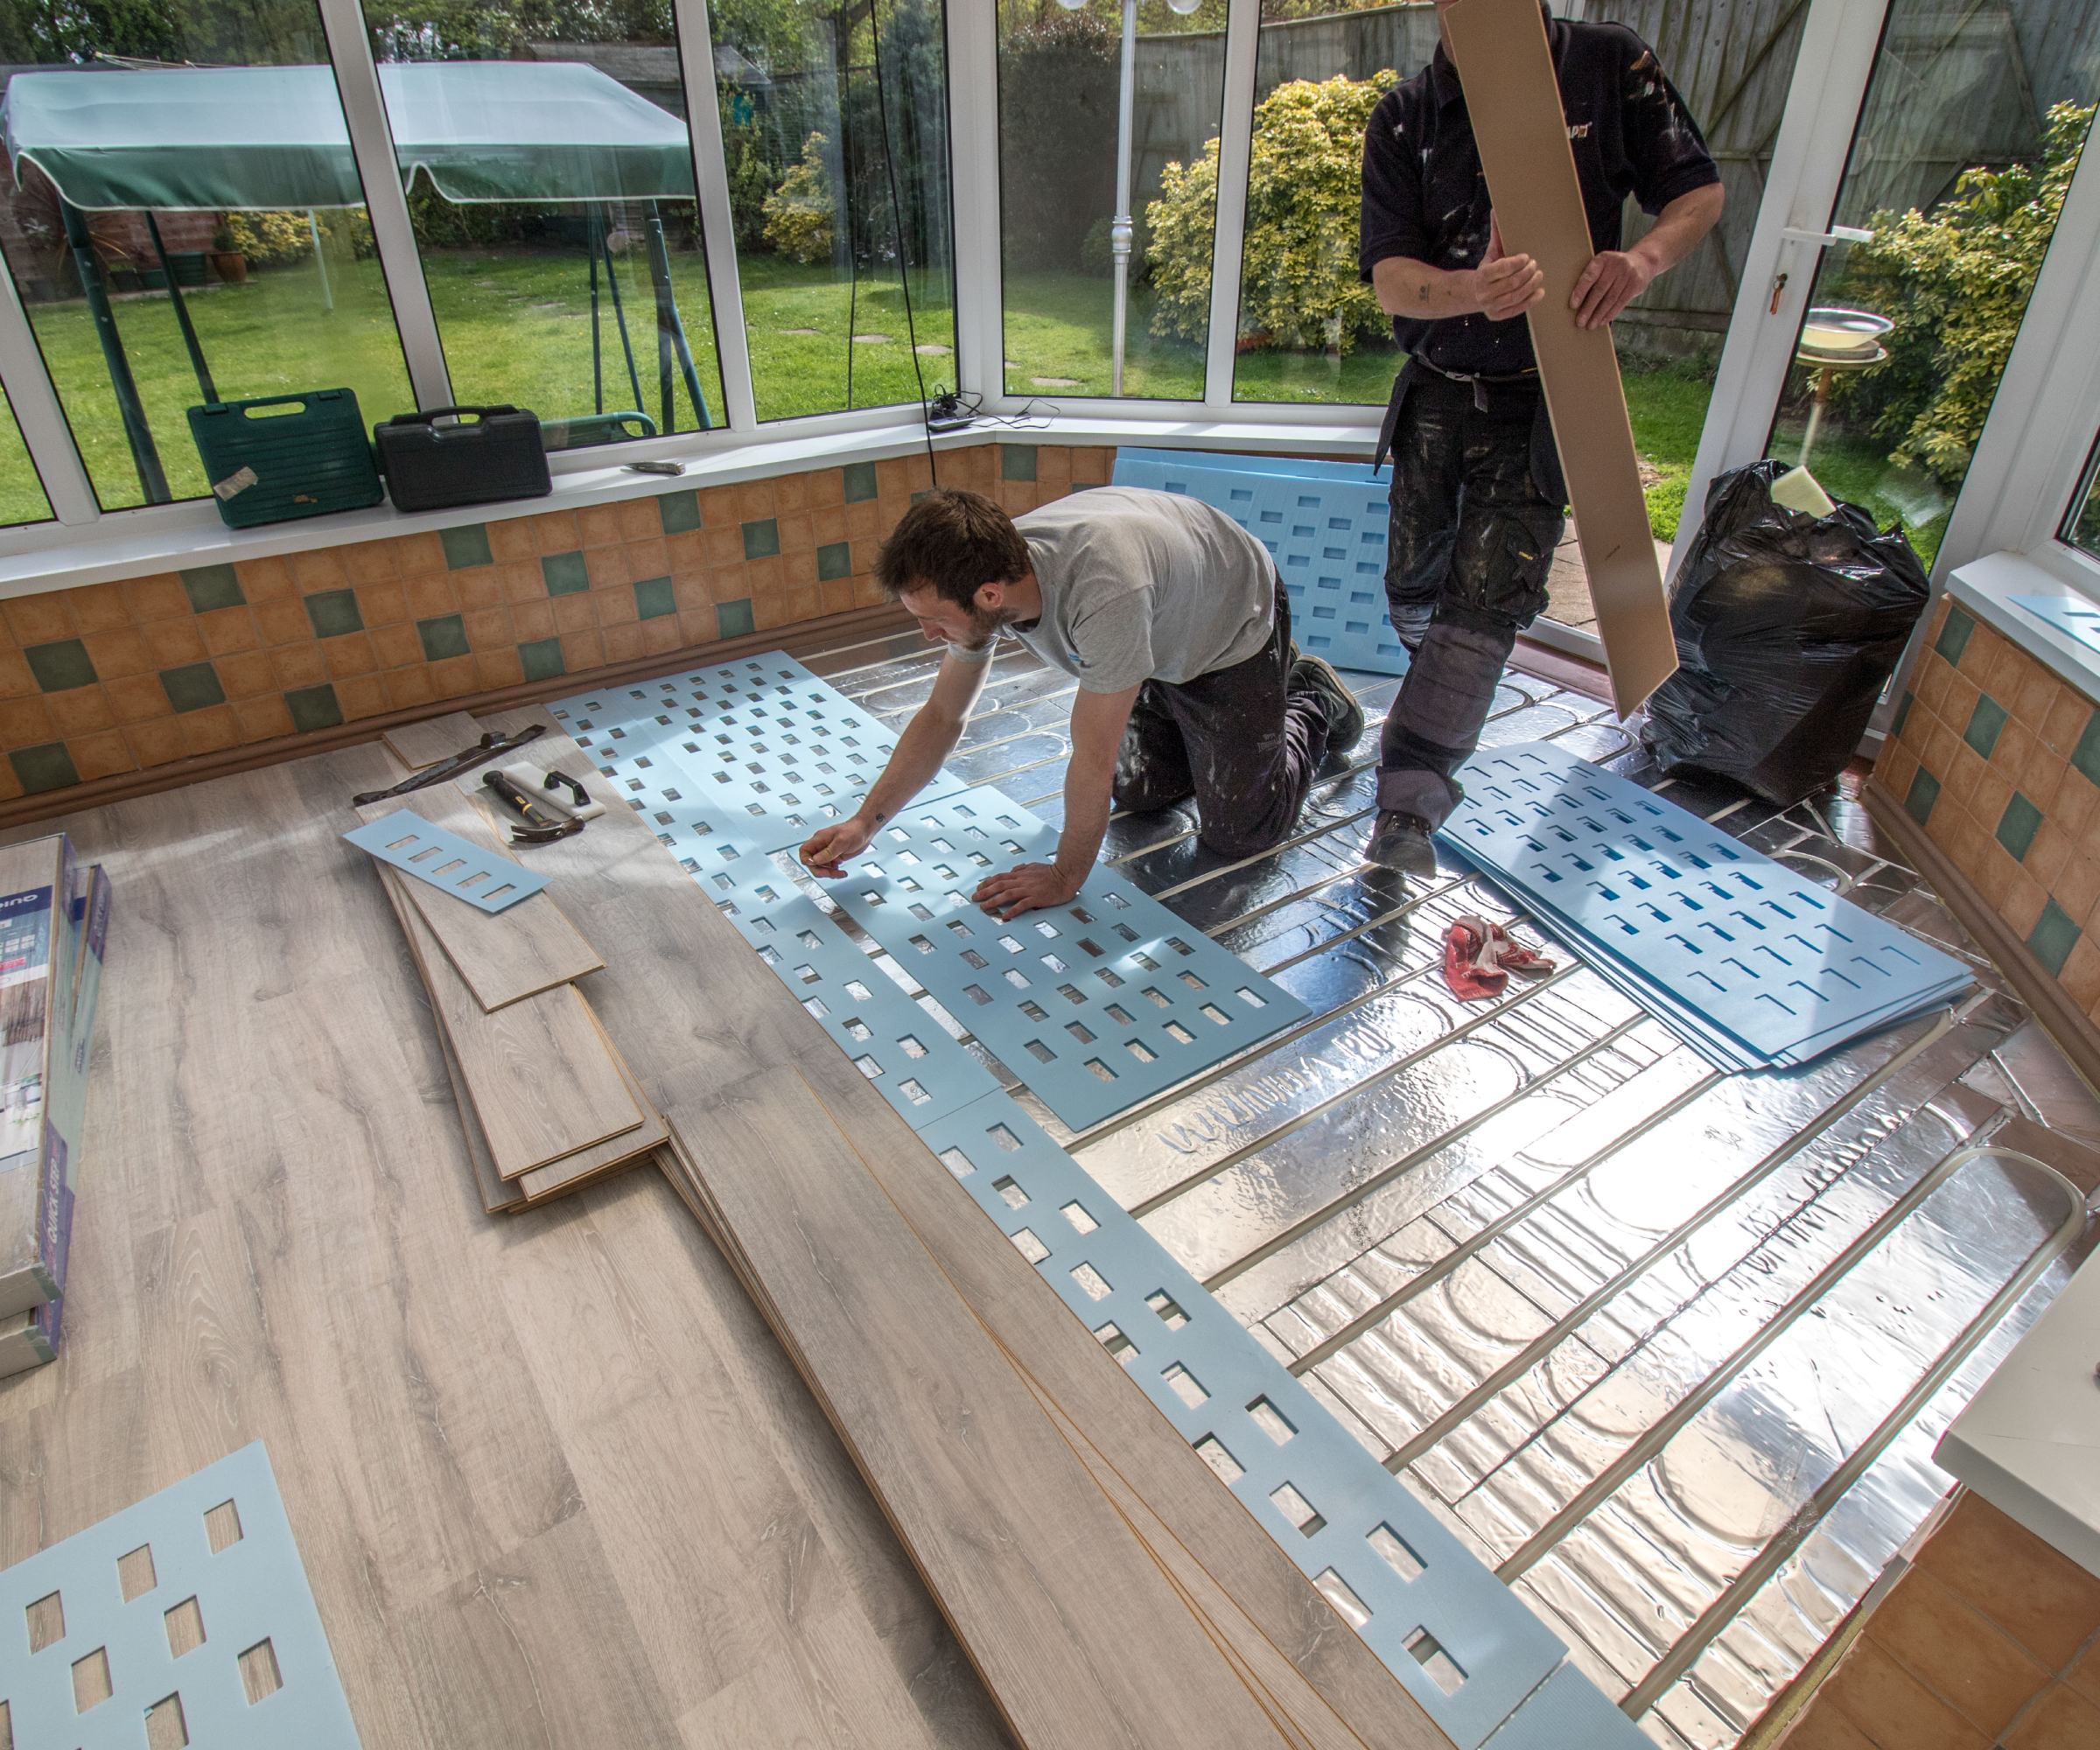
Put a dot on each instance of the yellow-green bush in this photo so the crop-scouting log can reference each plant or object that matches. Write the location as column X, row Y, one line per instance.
column 799, row 213
column 1305, row 186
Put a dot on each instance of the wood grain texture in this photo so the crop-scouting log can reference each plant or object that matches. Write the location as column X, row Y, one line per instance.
column 516, row 953
column 278, row 1240
column 685, row 1039
column 418, row 744
column 1507, row 68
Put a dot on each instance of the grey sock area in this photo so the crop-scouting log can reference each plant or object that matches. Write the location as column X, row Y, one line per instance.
column 1435, row 722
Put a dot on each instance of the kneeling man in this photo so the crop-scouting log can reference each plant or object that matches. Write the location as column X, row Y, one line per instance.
column 1170, row 616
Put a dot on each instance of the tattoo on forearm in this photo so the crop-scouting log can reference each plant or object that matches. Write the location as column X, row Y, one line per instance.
column 1422, row 291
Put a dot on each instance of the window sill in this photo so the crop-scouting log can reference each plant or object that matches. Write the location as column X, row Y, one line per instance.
column 133, row 543
column 1985, row 587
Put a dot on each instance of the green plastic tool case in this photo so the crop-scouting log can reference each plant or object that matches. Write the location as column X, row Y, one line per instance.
column 284, row 466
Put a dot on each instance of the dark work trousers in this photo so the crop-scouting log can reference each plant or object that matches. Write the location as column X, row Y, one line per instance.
column 1236, row 740
column 1472, row 540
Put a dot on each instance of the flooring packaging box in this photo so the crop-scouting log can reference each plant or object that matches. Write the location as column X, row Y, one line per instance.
column 53, row 930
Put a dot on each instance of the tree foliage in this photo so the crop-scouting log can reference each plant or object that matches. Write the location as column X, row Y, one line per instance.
column 1304, row 187
column 801, row 213
column 1956, row 283
column 1058, row 87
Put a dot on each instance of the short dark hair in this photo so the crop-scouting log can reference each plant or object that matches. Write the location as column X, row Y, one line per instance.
column 954, row 542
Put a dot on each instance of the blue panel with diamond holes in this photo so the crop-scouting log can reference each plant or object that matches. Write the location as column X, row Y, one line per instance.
column 1753, row 964
column 1096, row 1005
column 1327, row 533
column 121, row 1595
column 1464, row 1645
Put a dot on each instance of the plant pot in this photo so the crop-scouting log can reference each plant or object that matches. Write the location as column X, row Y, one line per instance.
column 233, row 267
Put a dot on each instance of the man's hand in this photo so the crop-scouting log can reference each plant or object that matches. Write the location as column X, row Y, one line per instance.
column 1506, row 286
column 825, row 852
column 1032, row 887
column 1611, row 281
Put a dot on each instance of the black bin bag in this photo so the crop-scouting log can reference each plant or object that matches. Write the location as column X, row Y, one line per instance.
column 1787, row 627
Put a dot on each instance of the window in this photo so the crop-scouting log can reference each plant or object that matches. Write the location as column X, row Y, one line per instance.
column 21, row 492
column 2081, row 526
column 835, row 127
column 184, row 223
column 1060, row 141
column 1965, row 146
column 550, row 186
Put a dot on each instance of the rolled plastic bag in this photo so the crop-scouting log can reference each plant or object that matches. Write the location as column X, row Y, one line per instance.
column 1787, row 627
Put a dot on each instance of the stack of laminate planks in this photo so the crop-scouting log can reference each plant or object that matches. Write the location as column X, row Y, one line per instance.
column 545, row 1101
column 1106, row 1587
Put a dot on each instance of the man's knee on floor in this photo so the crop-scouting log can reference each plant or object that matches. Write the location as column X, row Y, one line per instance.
column 1243, row 838
column 1150, row 789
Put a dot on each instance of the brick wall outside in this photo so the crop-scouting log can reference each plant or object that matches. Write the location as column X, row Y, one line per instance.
column 1998, row 760
column 120, row 677
column 1991, row 1639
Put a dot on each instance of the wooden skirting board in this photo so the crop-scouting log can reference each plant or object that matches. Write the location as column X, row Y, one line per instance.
column 756, row 1096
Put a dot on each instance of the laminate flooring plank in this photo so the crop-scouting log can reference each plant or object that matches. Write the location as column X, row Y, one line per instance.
column 1079, row 1636
column 418, row 744
column 506, row 956
column 679, row 1036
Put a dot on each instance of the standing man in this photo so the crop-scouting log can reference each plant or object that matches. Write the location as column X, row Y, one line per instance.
column 1170, row 616
column 1477, row 501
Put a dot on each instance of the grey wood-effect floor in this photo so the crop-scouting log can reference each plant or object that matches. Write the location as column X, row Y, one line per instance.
column 552, row 1478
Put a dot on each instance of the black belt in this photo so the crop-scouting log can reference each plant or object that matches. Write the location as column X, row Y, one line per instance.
column 1480, row 380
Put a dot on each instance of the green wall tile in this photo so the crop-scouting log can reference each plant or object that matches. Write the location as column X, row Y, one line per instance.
column 834, row 560
column 1903, row 714
column 62, row 666
column 762, row 538
column 443, row 636
column 1017, row 461
column 48, row 767
column 1986, row 724
column 566, row 574
column 333, row 612
column 212, row 586
column 2018, row 825
column 192, row 687
column 680, row 512
column 732, row 619
column 860, row 482
column 654, row 597
column 2054, row 937
column 314, row 707
column 1924, row 792
column 465, row 546
column 2086, row 755
column 542, row 659
column 1954, row 636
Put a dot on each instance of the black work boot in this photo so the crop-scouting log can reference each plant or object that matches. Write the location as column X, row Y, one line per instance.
column 1400, row 843
column 1344, row 716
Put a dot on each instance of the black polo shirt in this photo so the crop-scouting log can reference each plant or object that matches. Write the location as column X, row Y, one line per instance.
column 1425, row 196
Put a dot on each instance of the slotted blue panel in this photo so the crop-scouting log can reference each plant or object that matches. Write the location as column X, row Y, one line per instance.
column 1294, row 467
column 2074, row 618
column 1753, row 964
column 253, row 1591
column 1097, row 1004
column 1327, row 534
column 1380, row 1556
column 485, row 879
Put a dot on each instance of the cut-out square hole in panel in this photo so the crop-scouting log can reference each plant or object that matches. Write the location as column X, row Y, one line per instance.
column 1444, row 1670
column 185, row 1628
column 134, row 1576
column 166, row 1727
column 1398, row 1553
column 1295, row 1508
column 1272, row 1421
column 222, row 1526
column 1029, row 1247
column 259, row 1676
column 46, row 1621
column 957, row 1163
column 1185, row 1385
column 91, row 1684
column 1092, row 1283
column 1212, row 1450
column 1075, row 1212
column 1010, row 1191
column 1167, row 1307
column 1338, row 1592
column 1004, row 1138
column 1111, row 1337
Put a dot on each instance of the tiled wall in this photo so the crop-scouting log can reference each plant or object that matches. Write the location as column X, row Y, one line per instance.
column 1991, row 1638
column 122, row 677
column 1999, row 761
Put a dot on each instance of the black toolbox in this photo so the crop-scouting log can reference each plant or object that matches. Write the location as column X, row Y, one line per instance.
column 493, row 453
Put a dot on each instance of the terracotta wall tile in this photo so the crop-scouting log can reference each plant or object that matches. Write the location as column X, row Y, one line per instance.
column 208, row 731
column 158, row 597
column 491, row 628
column 122, row 652
column 494, row 669
column 555, row 531
column 101, row 756
column 2059, row 1718
column 529, row 621
column 11, row 786
column 2066, row 723
column 98, row 607
column 1884, row 1700
column 40, row 619
column 352, row 654
column 1951, row 1648
column 414, row 554
column 791, row 492
column 371, row 562
column 622, row 643
column 696, row 626
column 157, row 743
column 409, row 687
column 430, row 597
column 580, row 651
column 299, row 665
column 512, row 541
column 79, row 710
column 2041, row 1598
column 598, row 525
column 261, row 580
column 649, row 556
column 382, row 603
column 453, row 676
column 247, row 675
column 361, row 695
column 137, row 698
column 264, row 719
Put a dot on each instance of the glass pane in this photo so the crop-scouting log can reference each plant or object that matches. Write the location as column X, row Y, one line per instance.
column 163, row 266
column 1059, row 87
column 551, row 190
column 2081, row 527
column 859, row 313
column 1973, row 124
column 21, row 492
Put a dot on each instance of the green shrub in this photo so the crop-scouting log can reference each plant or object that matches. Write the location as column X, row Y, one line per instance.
column 272, row 239
column 799, row 212
column 1956, row 284
column 1305, row 186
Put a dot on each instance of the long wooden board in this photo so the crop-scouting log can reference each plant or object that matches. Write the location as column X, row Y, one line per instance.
column 1506, row 66
column 418, row 744
column 728, row 1016
column 504, row 957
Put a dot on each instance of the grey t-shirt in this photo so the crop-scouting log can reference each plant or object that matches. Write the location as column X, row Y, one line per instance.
column 1145, row 585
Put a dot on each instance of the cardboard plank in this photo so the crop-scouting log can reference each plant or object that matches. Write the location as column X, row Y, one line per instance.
column 1507, row 68
column 418, row 744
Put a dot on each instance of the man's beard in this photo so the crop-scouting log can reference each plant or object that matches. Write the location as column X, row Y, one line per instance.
column 986, row 625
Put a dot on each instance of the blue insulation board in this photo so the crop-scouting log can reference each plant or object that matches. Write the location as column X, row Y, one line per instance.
column 1463, row 1644
column 2075, row 618
column 486, row 880
column 254, row 1590
column 1097, row 1004
column 1327, row 533
column 1755, row 964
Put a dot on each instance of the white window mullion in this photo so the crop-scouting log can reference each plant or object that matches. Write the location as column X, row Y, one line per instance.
column 717, row 224
column 973, row 95
column 1235, row 147
column 37, row 411
column 372, row 145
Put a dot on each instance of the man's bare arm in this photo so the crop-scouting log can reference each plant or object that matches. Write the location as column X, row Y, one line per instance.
column 1097, row 724
column 1615, row 278
column 1501, row 287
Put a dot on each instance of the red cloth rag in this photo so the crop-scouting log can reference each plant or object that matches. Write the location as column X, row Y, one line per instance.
column 1479, row 957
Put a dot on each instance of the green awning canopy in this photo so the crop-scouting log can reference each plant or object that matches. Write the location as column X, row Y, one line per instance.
column 221, row 139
